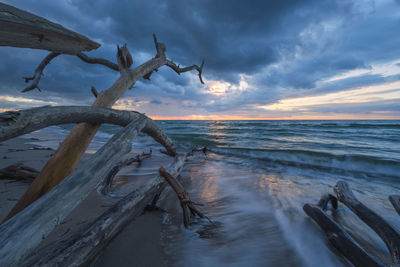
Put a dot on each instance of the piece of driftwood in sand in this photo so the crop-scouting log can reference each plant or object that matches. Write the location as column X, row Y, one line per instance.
column 105, row 186
column 30, row 226
column 68, row 154
column 339, row 239
column 19, row 28
column 187, row 205
column 18, row 171
column 82, row 248
column 386, row 232
column 395, row 200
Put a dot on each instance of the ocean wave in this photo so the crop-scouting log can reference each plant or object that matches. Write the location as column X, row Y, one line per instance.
column 363, row 164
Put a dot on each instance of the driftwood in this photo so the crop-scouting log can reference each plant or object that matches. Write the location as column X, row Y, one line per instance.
column 340, row 239
column 16, row 123
column 23, row 232
column 82, row 248
column 68, row 154
column 18, row 171
column 184, row 199
column 395, row 200
column 373, row 220
column 104, row 188
column 19, row 28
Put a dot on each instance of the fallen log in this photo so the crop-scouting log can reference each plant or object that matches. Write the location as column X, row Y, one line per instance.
column 22, row 233
column 340, row 239
column 16, row 123
column 186, row 203
column 19, row 28
column 395, row 200
column 386, row 232
column 83, row 247
column 18, row 172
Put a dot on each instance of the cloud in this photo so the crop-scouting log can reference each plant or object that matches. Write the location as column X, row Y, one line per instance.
column 156, row 101
column 279, row 49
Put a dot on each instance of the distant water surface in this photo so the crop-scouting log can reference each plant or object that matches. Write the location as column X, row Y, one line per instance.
column 258, row 176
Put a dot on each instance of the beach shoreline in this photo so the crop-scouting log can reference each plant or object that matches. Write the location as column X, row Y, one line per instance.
column 140, row 244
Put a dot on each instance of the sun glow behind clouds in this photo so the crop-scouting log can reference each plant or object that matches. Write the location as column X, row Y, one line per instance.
column 386, row 91
column 222, row 88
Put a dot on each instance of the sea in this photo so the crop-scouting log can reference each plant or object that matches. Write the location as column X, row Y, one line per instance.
column 256, row 177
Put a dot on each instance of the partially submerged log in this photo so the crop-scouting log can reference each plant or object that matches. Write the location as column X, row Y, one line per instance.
column 22, row 233
column 386, row 232
column 82, row 248
column 340, row 239
column 19, row 28
column 18, row 171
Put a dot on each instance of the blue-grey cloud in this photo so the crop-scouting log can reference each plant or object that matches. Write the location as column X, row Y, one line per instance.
column 286, row 48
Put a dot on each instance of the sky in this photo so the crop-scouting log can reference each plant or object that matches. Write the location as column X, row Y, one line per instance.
column 287, row 59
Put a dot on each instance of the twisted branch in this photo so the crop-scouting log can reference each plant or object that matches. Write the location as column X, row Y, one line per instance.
column 96, row 60
column 125, row 60
column 38, row 73
column 179, row 70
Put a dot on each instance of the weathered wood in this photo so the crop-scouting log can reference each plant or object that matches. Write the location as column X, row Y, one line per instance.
column 82, row 248
column 18, row 171
column 340, row 239
column 23, row 232
column 19, row 28
column 395, row 200
column 386, row 232
column 187, row 204
column 68, row 154
column 104, row 188
column 16, row 123
column 324, row 201
column 34, row 80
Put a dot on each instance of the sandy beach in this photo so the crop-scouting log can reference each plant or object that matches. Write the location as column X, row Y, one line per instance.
column 139, row 243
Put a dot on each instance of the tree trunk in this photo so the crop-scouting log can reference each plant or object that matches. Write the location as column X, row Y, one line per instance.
column 19, row 28
column 23, row 232
column 68, row 154
column 83, row 247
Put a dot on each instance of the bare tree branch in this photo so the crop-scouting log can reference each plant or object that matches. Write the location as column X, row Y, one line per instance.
column 38, row 72
column 96, row 60
column 179, row 70
column 94, row 91
column 125, row 61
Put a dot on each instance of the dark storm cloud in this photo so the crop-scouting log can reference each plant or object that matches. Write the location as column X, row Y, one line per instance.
column 285, row 47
